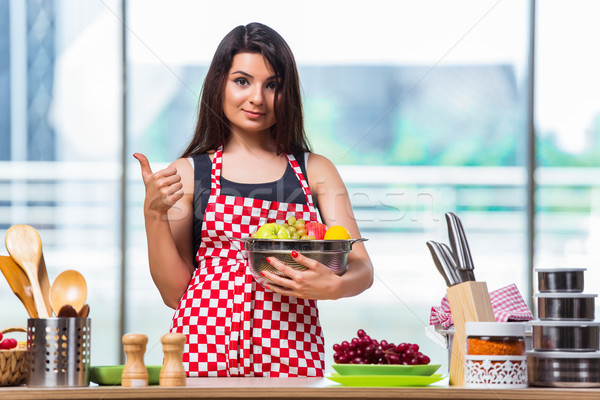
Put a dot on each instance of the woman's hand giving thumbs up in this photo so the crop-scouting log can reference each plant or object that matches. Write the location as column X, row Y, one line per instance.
column 163, row 188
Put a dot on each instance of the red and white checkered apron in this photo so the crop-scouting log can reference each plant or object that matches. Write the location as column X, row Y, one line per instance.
column 234, row 326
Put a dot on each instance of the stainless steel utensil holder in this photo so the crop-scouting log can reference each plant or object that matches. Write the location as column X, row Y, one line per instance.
column 60, row 351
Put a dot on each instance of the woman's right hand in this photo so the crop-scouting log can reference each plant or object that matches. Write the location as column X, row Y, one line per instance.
column 163, row 188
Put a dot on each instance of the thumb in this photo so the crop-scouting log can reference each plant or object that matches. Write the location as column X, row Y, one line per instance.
column 144, row 164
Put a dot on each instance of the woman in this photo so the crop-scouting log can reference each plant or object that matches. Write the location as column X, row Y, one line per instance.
column 248, row 164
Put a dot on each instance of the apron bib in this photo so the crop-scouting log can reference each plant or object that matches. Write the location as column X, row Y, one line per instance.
column 234, row 326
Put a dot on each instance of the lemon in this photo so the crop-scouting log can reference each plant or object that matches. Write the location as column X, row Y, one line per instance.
column 337, row 232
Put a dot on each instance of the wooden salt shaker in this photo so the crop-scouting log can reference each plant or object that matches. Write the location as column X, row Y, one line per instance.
column 172, row 372
column 135, row 373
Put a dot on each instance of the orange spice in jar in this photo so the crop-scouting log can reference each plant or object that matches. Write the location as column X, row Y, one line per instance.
column 495, row 355
column 496, row 345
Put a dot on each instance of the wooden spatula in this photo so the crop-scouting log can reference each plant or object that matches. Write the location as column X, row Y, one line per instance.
column 25, row 247
column 19, row 283
column 44, row 281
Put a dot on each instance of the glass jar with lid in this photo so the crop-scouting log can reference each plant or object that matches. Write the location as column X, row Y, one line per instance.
column 495, row 355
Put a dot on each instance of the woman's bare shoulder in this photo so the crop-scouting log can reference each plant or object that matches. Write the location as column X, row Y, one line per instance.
column 319, row 166
column 319, row 162
column 183, row 165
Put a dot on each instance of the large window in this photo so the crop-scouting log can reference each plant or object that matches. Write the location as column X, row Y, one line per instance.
column 401, row 108
column 421, row 105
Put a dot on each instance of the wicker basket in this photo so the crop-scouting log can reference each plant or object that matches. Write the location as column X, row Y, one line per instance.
column 13, row 363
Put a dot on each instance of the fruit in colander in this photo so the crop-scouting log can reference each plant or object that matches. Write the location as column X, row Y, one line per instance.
column 337, row 232
column 272, row 231
column 316, row 229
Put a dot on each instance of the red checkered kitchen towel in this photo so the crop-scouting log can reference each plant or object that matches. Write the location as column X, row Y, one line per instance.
column 507, row 303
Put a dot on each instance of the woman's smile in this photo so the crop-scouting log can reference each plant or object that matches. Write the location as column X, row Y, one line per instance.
column 254, row 114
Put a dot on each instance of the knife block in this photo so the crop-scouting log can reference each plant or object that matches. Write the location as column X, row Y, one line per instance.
column 469, row 301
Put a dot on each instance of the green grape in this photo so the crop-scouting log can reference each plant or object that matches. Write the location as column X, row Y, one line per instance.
column 291, row 221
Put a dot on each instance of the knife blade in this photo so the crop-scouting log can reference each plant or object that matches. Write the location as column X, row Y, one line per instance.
column 460, row 245
column 465, row 244
column 461, row 275
column 440, row 263
column 455, row 240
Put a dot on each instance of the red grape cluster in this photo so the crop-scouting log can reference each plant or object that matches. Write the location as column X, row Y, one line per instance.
column 364, row 350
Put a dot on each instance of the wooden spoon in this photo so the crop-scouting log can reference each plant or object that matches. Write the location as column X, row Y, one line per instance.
column 84, row 312
column 19, row 283
column 67, row 311
column 25, row 247
column 69, row 288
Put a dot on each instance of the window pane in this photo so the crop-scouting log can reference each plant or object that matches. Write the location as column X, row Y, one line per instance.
column 59, row 170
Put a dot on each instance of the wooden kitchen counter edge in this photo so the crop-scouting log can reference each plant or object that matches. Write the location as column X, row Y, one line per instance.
column 297, row 393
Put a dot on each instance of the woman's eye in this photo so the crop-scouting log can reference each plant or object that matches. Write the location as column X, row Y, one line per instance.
column 241, row 81
column 272, row 85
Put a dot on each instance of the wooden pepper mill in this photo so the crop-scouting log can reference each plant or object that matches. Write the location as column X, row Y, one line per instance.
column 172, row 372
column 135, row 373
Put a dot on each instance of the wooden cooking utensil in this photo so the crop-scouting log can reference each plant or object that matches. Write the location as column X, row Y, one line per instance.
column 44, row 281
column 85, row 311
column 19, row 283
column 25, row 247
column 69, row 287
column 67, row 311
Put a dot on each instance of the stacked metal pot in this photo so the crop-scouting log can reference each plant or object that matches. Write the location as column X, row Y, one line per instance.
column 565, row 336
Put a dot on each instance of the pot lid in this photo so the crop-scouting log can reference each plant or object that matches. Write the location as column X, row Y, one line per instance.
column 494, row 328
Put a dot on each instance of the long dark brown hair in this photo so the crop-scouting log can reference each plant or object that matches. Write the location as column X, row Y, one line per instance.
column 213, row 129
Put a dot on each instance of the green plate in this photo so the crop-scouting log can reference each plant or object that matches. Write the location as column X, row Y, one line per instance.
column 385, row 369
column 111, row 374
column 386, row 380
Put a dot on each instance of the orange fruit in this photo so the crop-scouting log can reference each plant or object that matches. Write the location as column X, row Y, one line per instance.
column 337, row 232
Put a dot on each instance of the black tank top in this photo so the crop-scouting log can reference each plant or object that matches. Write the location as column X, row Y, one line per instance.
column 287, row 189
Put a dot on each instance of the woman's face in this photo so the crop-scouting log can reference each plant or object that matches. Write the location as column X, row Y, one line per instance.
column 250, row 94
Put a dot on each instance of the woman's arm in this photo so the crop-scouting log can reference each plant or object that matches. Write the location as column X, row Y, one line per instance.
column 327, row 187
column 168, row 214
column 336, row 209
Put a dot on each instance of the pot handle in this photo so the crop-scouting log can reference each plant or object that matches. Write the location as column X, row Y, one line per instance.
column 352, row 241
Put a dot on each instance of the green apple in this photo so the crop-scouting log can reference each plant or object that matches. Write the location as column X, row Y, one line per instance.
column 272, row 231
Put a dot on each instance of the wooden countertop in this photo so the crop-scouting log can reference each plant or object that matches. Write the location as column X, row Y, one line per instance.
column 289, row 389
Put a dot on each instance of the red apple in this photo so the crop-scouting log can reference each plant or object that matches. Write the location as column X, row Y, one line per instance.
column 315, row 229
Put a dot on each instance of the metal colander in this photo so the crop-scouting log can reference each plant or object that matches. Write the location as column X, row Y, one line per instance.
column 331, row 253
